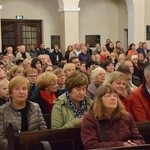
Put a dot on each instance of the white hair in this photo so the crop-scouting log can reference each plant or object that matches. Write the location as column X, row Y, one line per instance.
column 96, row 71
column 147, row 70
column 133, row 57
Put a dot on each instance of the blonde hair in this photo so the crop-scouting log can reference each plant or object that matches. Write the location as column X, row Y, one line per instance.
column 134, row 57
column 58, row 71
column 121, row 56
column 13, row 70
column 111, row 77
column 45, row 79
column 29, row 71
column 3, row 81
column 68, row 66
column 18, row 80
column 99, row 110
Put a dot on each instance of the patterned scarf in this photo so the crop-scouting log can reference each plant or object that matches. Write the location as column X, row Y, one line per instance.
column 78, row 112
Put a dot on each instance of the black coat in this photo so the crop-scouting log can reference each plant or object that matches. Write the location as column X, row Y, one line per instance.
column 2, row 101
column 38, row 99
column 43, row 51
column 54, row 57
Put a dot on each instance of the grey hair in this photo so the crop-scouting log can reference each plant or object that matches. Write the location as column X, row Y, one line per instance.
column 147, row 70
column 96, row 71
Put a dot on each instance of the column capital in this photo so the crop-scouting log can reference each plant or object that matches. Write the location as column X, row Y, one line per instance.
column 68, row 5
column 69, row 9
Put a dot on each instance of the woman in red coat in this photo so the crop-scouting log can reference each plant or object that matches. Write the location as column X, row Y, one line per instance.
column 108, row 124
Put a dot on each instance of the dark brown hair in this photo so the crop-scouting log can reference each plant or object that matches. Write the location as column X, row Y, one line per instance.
column 76, row 79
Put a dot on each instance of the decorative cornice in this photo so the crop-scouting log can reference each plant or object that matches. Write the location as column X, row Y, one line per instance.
column 69, row 9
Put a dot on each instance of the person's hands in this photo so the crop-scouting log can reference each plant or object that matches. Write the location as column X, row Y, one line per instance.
column 126, row 144
column 129, row 143
column 132, row 144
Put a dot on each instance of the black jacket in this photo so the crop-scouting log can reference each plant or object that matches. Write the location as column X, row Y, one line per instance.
column 54, row 57
column 38, row 99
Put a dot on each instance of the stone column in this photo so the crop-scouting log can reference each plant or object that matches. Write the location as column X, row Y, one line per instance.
column 69, row 22
column 136, row 21
column 0, row 30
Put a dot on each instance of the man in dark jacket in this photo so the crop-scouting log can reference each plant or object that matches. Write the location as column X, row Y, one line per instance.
column 43, row 51
column 56, row 56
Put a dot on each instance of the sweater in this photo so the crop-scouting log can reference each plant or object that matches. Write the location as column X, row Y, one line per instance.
column 118, row 131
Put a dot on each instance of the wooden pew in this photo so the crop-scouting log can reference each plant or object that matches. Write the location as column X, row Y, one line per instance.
column 65, row 139
column 144, row 129
column 139, row 147
column 60, row 139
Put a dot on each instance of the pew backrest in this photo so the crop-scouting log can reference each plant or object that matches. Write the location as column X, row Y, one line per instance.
column 144, row 129
column 139, row 147
column 68, row 139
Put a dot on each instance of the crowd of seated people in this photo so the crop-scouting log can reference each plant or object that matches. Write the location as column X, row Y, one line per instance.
column 67, row 87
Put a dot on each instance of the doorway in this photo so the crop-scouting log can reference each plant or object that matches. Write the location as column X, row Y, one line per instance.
column 18, row 32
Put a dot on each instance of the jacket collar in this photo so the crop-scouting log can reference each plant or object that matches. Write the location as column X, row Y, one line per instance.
column 144, row 89
column 16, row 109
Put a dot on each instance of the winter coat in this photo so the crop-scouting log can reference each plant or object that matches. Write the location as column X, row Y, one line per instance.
column 19, row 55
column 92, row 88
column 2, row 101
column 54, row 57
column 118, row 131
column 140, row 104
column 37, row 98
column 10, row 114
column 63, row 115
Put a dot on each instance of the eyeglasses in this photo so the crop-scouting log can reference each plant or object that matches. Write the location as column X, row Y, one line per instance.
column 62, row 75
column 32, row 76
column 76, row 62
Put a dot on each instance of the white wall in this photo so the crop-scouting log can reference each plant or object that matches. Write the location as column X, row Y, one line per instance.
column 0, row 28
column 105, row 17
column 147, row 18
column 122, row 23
column 46, row 10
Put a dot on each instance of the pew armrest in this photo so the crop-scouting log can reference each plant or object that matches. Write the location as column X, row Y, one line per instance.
column 46, row 145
